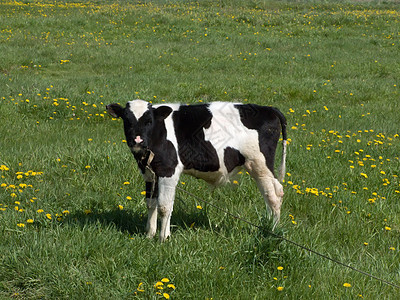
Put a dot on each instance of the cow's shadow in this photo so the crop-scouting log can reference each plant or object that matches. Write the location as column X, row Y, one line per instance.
column 122, row 220
column 134, row 222
column 260, row 249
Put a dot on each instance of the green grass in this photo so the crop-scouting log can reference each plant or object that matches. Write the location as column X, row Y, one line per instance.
column 72, row 211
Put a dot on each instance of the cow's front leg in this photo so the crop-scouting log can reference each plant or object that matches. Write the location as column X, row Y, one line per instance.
column 167, row 186
column 151, row 201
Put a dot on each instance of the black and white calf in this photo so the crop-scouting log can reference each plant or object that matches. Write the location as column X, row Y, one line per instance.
column 208, row 141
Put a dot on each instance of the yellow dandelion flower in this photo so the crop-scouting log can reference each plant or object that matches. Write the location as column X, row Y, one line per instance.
column 199, row 207
column 22, row 225
column 280, row 268
column 159, row 285
column 166, row 296
column 347, row 285
column 139, row 288
column 29, row 221
column 4, row 168
column 388, row 228
column 280, row 288
column 143, row 192
column 48, row 216
column 165, row 280
column 120, row 207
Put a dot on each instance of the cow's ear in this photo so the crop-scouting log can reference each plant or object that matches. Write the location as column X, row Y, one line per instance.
column 160, row 113
column 115, row 110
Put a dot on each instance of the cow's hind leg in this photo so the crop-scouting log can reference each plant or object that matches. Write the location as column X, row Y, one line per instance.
column 167, row 186
column 269, row 186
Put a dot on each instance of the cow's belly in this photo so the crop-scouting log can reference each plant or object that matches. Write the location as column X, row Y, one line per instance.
column 215, row 178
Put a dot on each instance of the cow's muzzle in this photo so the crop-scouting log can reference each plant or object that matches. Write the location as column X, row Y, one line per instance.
column 138, row 140
column 139, row 147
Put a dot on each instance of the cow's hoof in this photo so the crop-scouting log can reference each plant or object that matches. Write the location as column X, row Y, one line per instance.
column 150, row 235
column 164, row 239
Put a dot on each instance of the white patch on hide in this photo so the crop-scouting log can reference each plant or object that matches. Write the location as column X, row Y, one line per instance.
column 169, row 124
column 138, row 107
column 227, row 130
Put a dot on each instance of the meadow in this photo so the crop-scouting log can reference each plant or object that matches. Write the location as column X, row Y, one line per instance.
column 72, row 209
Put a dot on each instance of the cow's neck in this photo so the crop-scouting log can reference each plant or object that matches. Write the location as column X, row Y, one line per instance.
column 144, row 159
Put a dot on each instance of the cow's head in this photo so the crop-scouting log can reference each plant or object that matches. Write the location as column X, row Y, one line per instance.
column 140, row 121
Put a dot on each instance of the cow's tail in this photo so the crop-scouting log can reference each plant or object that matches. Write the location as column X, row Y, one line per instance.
column 282, row 167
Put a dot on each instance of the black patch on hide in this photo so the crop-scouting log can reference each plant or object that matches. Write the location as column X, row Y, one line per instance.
column 165, row 157
column 233, row 158
column 268, row 121
column 194, row 151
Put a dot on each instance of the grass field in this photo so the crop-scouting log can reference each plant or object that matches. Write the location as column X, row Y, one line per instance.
column 72, row 209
